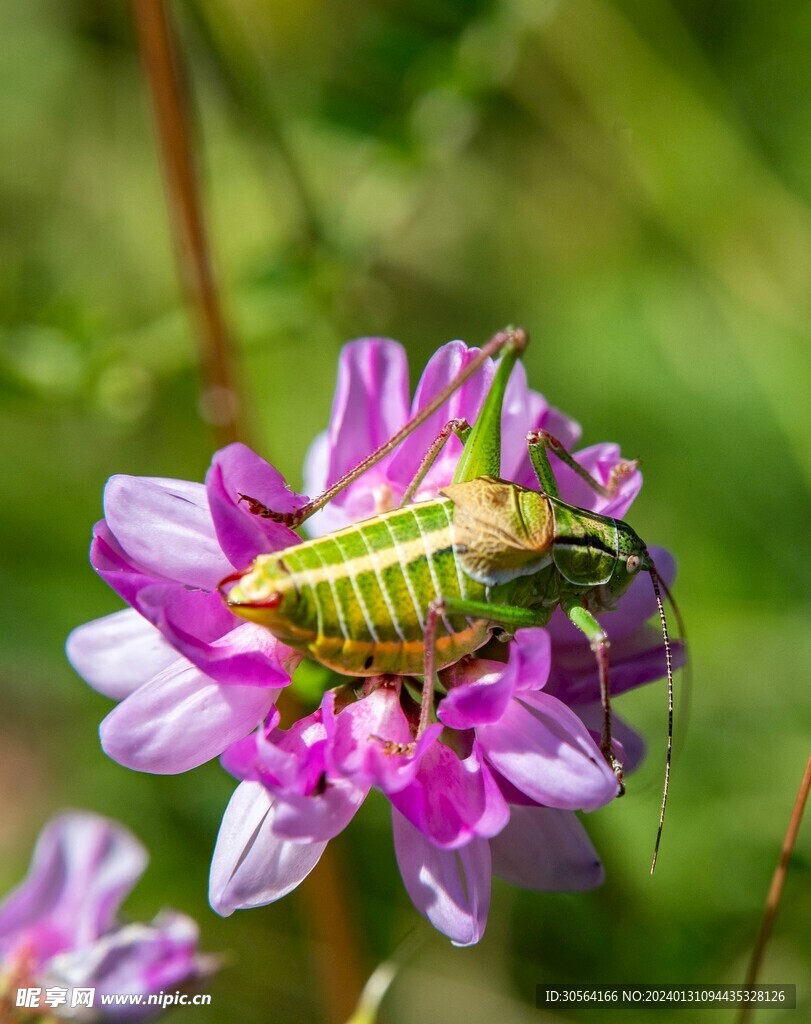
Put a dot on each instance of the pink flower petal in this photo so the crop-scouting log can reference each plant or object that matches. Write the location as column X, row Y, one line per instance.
column 482, row 689
column 118, row 653
column 116, row 568
column 165, row 526
column 544, row 848
column 452, row 799
column 449, row 887
column 237, row 470
column 180, row 719
column 638, row 603
column 598, row 460
column 309, row 805
column 371, row 401
column 523, row 410
column 629, row 745
column 136, row 958
column 633, row 660
column 319, row 816
column 445, row 364
column 358, row 735
column 526, row 410
column 185, row 615
column 83, row 867
column 316, row 466
column 251, row 866
column 545, row 751
column 481, row 692
column 248, row 654
column 561, row 426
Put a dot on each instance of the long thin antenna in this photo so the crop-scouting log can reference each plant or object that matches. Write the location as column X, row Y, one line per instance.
column 654, row 575
column 686, row 684
column 676, row 612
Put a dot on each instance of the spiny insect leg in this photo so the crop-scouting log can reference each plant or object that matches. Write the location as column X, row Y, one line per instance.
column 436, row 610
column 539, row 457
column 540, row 443
column 598, row 640
column 511, row 340
column 511, row 616
column 461, row 428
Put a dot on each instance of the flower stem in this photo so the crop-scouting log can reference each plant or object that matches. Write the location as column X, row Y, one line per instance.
column 219, row 398
column 776, row 888
column 333, row 937
column 333, row 940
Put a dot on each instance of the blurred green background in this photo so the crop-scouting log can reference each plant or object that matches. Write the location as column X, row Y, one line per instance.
column 631, row 180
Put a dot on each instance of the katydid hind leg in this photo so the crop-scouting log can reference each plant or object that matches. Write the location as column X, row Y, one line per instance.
column 599, row 643
column 510, row 342
column 436, row 611
column 481, row 455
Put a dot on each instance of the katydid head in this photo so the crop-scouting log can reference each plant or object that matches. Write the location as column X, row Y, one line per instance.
column 598, row 553
column 595, row 553
column 631, row 558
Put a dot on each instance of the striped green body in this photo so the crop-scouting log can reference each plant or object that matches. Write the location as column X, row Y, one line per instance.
column 357, row 600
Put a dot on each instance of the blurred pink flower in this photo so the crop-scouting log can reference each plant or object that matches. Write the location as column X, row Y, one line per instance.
column 59, row 927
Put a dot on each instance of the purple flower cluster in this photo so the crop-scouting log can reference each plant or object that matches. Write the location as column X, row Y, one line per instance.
column 492, row 786
column 59, row 928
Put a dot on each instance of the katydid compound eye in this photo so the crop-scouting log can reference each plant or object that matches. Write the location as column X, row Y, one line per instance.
column 633, row 563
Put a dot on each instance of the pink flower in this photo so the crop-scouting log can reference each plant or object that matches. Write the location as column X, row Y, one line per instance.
column 59, row 927
column 491, row 786
column 191, row 677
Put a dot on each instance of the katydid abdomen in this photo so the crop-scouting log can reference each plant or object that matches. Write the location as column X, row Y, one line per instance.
column 357, row 600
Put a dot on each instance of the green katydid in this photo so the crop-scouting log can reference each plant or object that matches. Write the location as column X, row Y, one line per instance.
column 415, row 589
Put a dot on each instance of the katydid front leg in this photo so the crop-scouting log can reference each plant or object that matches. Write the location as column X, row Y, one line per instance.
column 599, row 643
column 540, row 443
